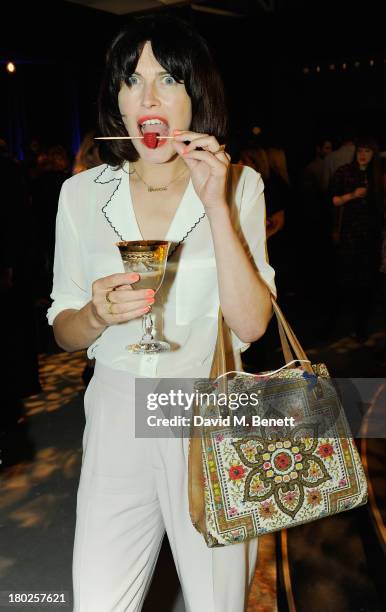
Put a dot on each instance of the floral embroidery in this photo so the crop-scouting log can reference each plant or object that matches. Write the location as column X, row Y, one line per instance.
column 256, row 485
column 236, row 472
column 314, row 497
column 267, row 510
column 313, row 471
column 250, row 450
column 237, row 535
column 285, row 465
column 291, row 498
column 282, row 460
column 325, row 450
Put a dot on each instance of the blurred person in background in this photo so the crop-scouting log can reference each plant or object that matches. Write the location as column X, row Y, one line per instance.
column 357, row 192
column 278, row 163
column 341, row 156
column 280, row 223
column 88, row 154
column 30, row 162
column 54, row 168
column 275, row 189
column 317, row 221
column 314, row 172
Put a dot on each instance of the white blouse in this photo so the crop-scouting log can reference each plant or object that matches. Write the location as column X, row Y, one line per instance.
column 95, row 211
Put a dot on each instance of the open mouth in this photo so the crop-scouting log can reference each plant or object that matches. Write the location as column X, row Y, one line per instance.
column 152, row 128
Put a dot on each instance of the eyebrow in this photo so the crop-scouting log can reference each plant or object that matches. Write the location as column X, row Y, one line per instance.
column 158, row 73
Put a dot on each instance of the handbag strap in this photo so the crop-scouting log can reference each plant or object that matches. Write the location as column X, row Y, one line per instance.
column 289, row 343
column 219, row 364
column 289, row 336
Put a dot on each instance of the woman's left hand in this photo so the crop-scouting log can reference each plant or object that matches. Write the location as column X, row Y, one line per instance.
column 208, row 168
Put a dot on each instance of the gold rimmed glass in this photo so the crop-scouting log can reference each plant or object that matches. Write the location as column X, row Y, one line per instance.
column 147, row 258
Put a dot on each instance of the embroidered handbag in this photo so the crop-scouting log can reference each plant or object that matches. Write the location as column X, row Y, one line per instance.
column 244, row 482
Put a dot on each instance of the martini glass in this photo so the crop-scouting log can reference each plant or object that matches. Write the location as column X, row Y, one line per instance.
column 148, row 259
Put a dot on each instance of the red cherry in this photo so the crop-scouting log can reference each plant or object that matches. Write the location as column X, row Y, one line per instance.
column 150, row 139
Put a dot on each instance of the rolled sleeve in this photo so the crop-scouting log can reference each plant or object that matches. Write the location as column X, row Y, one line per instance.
column 238, row 344
column 252, row 221
column 69, row 286
column 252, row 233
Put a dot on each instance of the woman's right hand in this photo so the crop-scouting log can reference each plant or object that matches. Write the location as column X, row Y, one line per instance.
column 360, row 192
column 125, row 302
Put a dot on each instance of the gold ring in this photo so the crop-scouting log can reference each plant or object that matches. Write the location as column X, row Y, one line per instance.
column 222, row 147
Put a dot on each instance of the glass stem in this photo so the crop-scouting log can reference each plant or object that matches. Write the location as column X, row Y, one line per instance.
column 147, row 327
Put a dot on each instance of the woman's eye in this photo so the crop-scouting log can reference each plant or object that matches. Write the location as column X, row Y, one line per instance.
column 133, row 80
column 169, row 80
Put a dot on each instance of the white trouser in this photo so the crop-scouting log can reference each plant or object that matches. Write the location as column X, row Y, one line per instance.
column 130, row 491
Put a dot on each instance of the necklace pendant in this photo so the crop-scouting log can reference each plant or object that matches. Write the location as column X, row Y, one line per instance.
column 157, row 188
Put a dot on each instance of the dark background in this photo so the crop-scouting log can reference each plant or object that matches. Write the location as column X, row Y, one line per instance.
column 59, row 49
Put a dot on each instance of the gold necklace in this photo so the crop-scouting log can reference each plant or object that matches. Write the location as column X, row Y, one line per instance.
column 164, row 188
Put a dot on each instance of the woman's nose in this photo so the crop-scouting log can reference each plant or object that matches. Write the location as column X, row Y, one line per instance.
column 150, row 97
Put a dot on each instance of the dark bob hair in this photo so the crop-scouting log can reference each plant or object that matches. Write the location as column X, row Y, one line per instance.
column 180, row 50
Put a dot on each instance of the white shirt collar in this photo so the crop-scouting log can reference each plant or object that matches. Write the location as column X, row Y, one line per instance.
column 116, row 206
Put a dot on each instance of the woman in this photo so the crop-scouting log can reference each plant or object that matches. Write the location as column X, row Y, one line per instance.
column 159, row 77
column 357, row 192
column 275, row 188
column 314, row 225
column 88, row 155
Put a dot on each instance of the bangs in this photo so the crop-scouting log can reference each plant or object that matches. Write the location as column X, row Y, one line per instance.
column 164, row 56
column 184, row 54
column 176, row 54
